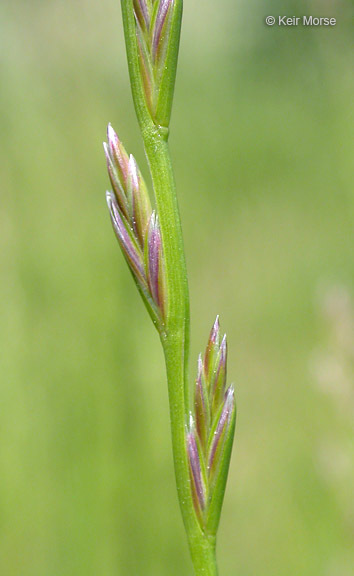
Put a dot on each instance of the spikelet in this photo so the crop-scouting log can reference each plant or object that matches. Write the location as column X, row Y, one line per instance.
column 210, row 432
column 136, row 226
column 155, row 27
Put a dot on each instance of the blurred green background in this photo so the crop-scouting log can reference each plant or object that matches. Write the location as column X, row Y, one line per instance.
column 262, row 148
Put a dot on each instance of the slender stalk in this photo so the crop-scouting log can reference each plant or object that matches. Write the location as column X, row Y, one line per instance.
column 203, row 557
column 175, row 339
column 176, row 344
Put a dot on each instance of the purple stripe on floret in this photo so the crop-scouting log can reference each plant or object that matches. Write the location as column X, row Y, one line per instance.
column 214, row 337
column 159, row 24
column 200, row 402
column 118, row 155
column 134, row 258
column 154, row 258
column 224, row 422
column 195, row 467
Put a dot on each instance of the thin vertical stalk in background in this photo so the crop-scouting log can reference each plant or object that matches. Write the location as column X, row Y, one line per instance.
column 152, row 243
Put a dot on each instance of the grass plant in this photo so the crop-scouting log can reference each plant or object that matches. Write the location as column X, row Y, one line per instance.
column 152, row 244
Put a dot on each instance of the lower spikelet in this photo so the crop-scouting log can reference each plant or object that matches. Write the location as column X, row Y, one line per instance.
column 210, row 432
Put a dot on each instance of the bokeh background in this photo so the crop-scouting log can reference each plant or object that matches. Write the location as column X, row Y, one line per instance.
column 262, row 148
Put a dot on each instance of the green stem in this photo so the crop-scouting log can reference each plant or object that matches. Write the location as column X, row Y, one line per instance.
column 175, row 339
column 203, row 557
column 176, row 342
